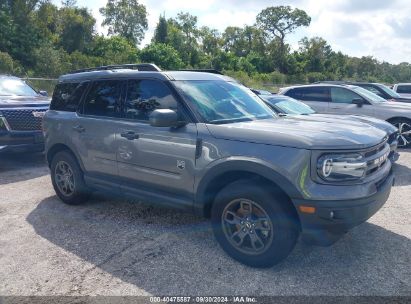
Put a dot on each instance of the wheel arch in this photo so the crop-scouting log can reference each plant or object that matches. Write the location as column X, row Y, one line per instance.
column 225, row 173
column 58, row 148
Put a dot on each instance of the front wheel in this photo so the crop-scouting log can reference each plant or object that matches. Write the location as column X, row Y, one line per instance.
column 404, row 131
column 253, row 225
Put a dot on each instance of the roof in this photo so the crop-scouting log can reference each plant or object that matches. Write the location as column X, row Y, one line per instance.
column 8, row 76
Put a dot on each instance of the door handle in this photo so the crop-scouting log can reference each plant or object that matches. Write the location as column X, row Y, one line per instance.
column 130, row 135
column 79, row 128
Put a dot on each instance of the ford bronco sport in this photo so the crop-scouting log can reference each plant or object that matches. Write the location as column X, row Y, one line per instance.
column 21, row 113
column 203, row 143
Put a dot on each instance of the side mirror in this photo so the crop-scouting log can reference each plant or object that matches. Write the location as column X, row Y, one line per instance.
column 358, row 101
column 44, row 93
column 164, row 118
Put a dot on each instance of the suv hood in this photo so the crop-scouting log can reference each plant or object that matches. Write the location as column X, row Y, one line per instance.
column 395, row 105
column 302, row 134
column 349, row 119
column 24, row 101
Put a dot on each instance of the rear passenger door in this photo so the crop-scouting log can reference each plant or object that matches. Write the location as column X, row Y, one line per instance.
column 155, row 159
column 342, row 103
column 94, row 133
column 316, row 97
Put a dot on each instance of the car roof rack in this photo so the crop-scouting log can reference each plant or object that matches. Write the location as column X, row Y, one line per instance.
column 212, row 71
column 331, row 82
column 143, row 67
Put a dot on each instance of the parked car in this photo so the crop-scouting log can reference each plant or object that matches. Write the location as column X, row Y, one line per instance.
column 382, row 91
column 349, row 99
column 293, row 109
column 261, row 92
column 404, row 89
column 21, row 111
column 204, row 143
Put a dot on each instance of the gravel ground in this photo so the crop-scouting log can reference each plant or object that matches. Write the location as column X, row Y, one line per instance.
column 109, row 247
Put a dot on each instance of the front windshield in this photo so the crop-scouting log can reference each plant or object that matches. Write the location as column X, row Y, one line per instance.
column 224, row 102
column 367, row 94
column 290, row 106
column 390, row 92
column 15, row 87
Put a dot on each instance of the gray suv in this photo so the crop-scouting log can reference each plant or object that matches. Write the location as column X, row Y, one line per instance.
column 203, row 143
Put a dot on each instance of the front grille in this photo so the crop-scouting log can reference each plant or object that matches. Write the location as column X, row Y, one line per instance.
column 24, row 119
column 377, row 158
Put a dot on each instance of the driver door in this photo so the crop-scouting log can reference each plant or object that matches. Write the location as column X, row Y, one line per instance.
column 160, row 160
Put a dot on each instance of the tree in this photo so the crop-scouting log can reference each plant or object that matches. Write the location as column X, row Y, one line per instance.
column 113, row 50
column 162, row 55
column 161, row 31
column 278, row 21
column 316, row 53
column 127, row 18
column 76, row 28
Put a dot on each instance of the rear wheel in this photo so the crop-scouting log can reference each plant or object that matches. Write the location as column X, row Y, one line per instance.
column 404, row 131
column 253, row 225
column 67, row 179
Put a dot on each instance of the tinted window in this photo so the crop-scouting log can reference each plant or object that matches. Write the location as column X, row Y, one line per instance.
column 342, row 95
column 103, row 99
column 310, row 94
column 66, row 96
column 144, row 96
column 372, row 89
column 404, row 89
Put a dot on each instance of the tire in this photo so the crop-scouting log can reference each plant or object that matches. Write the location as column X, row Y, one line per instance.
column 75, row 191
column 404, row 128
column 277, row 235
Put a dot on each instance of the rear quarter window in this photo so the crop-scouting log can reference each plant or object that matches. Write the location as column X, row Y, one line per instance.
column 67, row 96
column 406, row 89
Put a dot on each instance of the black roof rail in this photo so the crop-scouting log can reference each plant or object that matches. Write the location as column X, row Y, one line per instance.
column 331, row 82
column 212, row 71
column 146, row 67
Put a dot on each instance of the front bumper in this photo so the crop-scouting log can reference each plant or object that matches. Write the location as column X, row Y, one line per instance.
column 21, row 141
column 334, row 218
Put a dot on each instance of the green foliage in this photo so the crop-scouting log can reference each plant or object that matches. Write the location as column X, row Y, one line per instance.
column 8, row 65
column 161, row 32
column 76, row 28
column 37, row 38
column 113, row 50
column 165, row 56
column 127, row 18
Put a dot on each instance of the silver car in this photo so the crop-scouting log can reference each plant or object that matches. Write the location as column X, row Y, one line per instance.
column 404, row 89
column 349, row 99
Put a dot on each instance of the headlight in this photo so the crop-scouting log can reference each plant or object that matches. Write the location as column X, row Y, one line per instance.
column 341, row 167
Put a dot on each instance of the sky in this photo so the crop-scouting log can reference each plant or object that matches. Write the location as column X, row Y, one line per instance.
column 379, row 28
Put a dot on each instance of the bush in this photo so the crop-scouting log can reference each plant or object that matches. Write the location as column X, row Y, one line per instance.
column 163, row 55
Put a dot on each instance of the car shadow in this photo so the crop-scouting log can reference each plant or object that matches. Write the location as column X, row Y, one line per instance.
column 402, row 175
column 21, row 166
column 165, row 252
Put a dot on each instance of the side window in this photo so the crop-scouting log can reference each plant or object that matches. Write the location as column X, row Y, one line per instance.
column 144, row 96
column 104, row 99
column 373, row 90
column 294, row 93
column 315, row 94
column 61, row 100
column 404, row 89
column 342, row 95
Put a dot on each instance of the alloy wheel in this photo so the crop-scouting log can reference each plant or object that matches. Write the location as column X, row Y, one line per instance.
column 404, row 133
column 64, row 178
column 247, row 226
